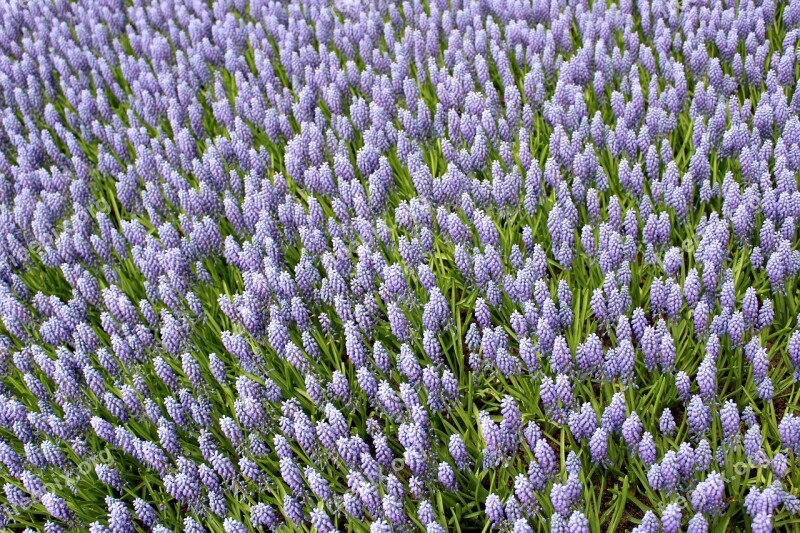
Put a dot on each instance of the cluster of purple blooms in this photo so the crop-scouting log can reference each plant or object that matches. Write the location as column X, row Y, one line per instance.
column 370, row 265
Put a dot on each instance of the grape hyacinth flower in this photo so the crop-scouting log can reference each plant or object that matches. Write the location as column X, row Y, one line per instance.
column 272, row 245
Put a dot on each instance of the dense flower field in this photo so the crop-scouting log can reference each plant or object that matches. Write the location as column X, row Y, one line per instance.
column 363, row 265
